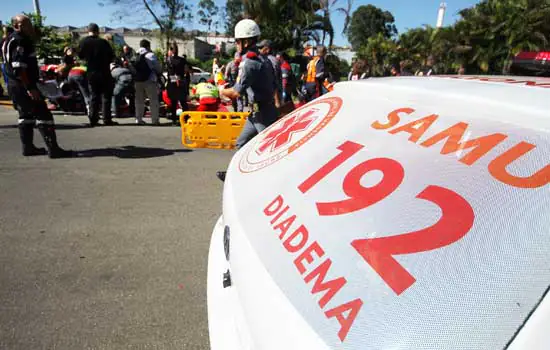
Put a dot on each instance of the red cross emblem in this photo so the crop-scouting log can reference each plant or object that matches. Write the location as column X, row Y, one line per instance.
column 283, row 134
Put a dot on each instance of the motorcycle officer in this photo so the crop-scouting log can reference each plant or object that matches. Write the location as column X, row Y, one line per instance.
column 22, row 70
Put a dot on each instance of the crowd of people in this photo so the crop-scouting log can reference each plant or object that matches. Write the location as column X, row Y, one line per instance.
column 257, row 80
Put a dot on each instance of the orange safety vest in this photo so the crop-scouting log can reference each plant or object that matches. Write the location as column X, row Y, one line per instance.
column 312, row 70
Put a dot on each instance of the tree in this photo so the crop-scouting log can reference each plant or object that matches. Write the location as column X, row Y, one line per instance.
column 380, row 52
column 290, row 23
column 346, row 11
column 233, row 13
column 368, row 21
column 496, row 30
column 49, row 44
column 208, row 12
column 168, row 15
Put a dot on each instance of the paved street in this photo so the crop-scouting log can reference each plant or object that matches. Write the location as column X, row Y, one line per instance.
column 106, row 251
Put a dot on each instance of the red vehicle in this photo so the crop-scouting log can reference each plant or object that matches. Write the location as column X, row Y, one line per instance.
column 531, row 63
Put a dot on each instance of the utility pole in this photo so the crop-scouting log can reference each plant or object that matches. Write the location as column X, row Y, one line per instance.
column 37, row 7
column 37, row 10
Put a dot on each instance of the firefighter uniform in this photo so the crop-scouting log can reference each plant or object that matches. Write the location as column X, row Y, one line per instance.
column 177, row 87
column 22, row 70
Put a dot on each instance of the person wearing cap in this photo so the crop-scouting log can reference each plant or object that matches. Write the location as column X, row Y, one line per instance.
column 316, row 74
column 255, row 79
column 265, row 46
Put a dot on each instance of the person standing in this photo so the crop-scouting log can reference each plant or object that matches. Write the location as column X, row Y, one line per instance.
column 19, row 55
column 217, row 70
column 147, row 69
column 316, row 74
column 176, row 87
column 288, row 83
column 265, row 47
column 98, row 54
column 231, row 73
column 255, row 80
column 428, row 69
column 127, row 56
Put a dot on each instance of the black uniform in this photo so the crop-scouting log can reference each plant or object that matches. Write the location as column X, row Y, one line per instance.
column 98, row 54
column 22, row 70
column 177, row 86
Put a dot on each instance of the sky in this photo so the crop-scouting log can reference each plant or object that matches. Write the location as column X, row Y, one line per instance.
column 407, row 13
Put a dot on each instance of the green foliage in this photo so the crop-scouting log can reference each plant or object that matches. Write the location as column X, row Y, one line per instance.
column 49, row 44
column 161, row 56
column 369, row 21
column 208, row 12
column 380, row 53
column 290, row 23
column 168, row 15
column 483, row 40
column 233, row 13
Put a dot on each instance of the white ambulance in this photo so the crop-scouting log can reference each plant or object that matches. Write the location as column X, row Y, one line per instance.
column 393, row 213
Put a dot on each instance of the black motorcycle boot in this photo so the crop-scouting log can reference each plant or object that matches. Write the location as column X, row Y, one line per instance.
column 26, row 133
column 221, row 175
column 50, row 138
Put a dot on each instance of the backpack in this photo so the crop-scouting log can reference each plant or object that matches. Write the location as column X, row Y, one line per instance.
column 143, row 71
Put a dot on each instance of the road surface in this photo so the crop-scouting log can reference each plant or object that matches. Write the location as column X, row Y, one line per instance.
column 109, row 250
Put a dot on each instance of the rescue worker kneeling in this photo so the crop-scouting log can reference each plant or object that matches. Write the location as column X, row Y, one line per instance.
column 208, row 96
column 22, row 69
column 124, row 86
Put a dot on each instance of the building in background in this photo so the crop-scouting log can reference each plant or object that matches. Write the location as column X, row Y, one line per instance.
column 192, row 45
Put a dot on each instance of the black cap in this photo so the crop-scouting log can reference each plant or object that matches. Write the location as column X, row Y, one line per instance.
column 265, row 43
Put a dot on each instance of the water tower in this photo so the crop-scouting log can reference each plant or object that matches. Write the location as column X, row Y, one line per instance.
column 441, row 14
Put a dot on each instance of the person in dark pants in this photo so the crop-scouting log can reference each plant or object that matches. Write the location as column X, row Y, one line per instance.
column 316, row 74
column 124, row 85
column 256, row 80
column 98, row 54
column 176, row 87
column 19, row 56
column 77, row 77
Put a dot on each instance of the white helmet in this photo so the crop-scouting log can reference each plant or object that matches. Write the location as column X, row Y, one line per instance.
column 246, row 28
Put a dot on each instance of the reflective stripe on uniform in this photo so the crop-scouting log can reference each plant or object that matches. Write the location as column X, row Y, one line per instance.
column 44, row 122
column 6, row 51
column 18, row 65
column 25, row 121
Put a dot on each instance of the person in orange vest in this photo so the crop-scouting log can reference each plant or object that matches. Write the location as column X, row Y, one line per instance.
column 316, row 75
column 208, row 95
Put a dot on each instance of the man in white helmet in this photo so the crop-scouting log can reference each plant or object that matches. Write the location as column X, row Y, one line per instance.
column 256, row 80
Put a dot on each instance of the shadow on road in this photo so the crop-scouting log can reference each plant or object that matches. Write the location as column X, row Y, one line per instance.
column 57, row 126
column 130, row 152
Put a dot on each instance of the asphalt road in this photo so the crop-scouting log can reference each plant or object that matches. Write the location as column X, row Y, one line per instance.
column 109, row 250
